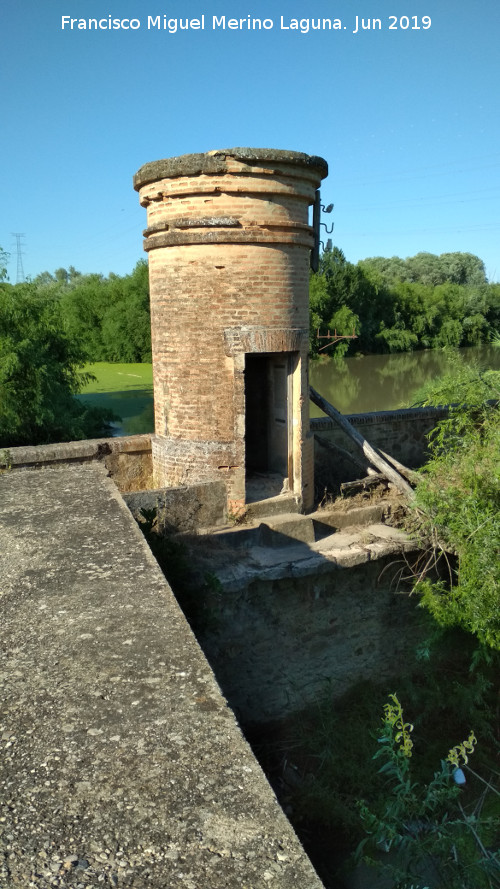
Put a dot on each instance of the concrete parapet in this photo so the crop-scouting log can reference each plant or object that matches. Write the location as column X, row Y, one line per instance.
column 127, row 459
column 121, row 763
column 224, row 161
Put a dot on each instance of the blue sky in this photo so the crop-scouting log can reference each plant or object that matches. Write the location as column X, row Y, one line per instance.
column 408, row 119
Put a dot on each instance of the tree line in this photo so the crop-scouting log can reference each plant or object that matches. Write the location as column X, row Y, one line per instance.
column 398, row 305
column 390, row 305
column 109, row 317
column 49, row 329
column 51, row 326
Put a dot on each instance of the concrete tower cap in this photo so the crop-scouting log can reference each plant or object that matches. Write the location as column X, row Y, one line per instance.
column 216, row 162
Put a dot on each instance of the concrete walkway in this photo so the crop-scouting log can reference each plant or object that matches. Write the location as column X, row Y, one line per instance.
column 121, row 764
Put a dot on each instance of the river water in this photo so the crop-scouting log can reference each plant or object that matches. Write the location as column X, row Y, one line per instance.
column 355, row 385
column 388, row 382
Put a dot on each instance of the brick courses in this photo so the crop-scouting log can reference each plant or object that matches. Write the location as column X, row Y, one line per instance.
column 228, row 239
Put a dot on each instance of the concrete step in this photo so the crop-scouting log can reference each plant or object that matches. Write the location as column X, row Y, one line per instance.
column 285, row 528
column 290, row 544
column 293, row 545
column 271, row 506
column 272, row 554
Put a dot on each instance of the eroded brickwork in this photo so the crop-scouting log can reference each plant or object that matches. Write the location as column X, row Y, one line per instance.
column 228, row 239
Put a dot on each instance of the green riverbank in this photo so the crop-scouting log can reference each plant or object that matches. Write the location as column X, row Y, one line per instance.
column 126, row 389
column 355, row 385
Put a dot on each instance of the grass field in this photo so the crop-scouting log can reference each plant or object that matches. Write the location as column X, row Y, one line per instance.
column 118, row 377
column 127, row 390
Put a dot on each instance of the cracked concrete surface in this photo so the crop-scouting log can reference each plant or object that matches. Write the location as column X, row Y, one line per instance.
column 122, row 764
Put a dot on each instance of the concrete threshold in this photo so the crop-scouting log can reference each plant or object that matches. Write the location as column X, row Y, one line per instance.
column 122, row 764
column 288, row 545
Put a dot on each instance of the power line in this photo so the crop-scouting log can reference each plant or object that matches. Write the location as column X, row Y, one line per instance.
column 20, row 269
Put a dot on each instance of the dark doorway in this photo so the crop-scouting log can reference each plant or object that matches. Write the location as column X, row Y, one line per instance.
column 267, row 420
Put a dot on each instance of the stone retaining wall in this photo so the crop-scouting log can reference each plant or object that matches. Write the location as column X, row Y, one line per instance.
column 129, row 463
column 183, row 509
column 127, row 459
column 276, row 646
column 402, row 434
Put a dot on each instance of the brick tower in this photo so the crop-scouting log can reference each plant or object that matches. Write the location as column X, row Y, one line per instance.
column 229, row 241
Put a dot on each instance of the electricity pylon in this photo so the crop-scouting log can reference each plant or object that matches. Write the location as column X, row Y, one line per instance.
column 20, row 269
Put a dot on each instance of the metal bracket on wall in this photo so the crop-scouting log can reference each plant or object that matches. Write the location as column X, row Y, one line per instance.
column 334, row 338
column 317, row 208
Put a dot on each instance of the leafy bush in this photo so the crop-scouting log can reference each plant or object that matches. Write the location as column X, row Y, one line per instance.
column 39, row 374
column 457, row 504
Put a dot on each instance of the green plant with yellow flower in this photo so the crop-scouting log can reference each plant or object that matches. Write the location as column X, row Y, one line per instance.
column 437, row 834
